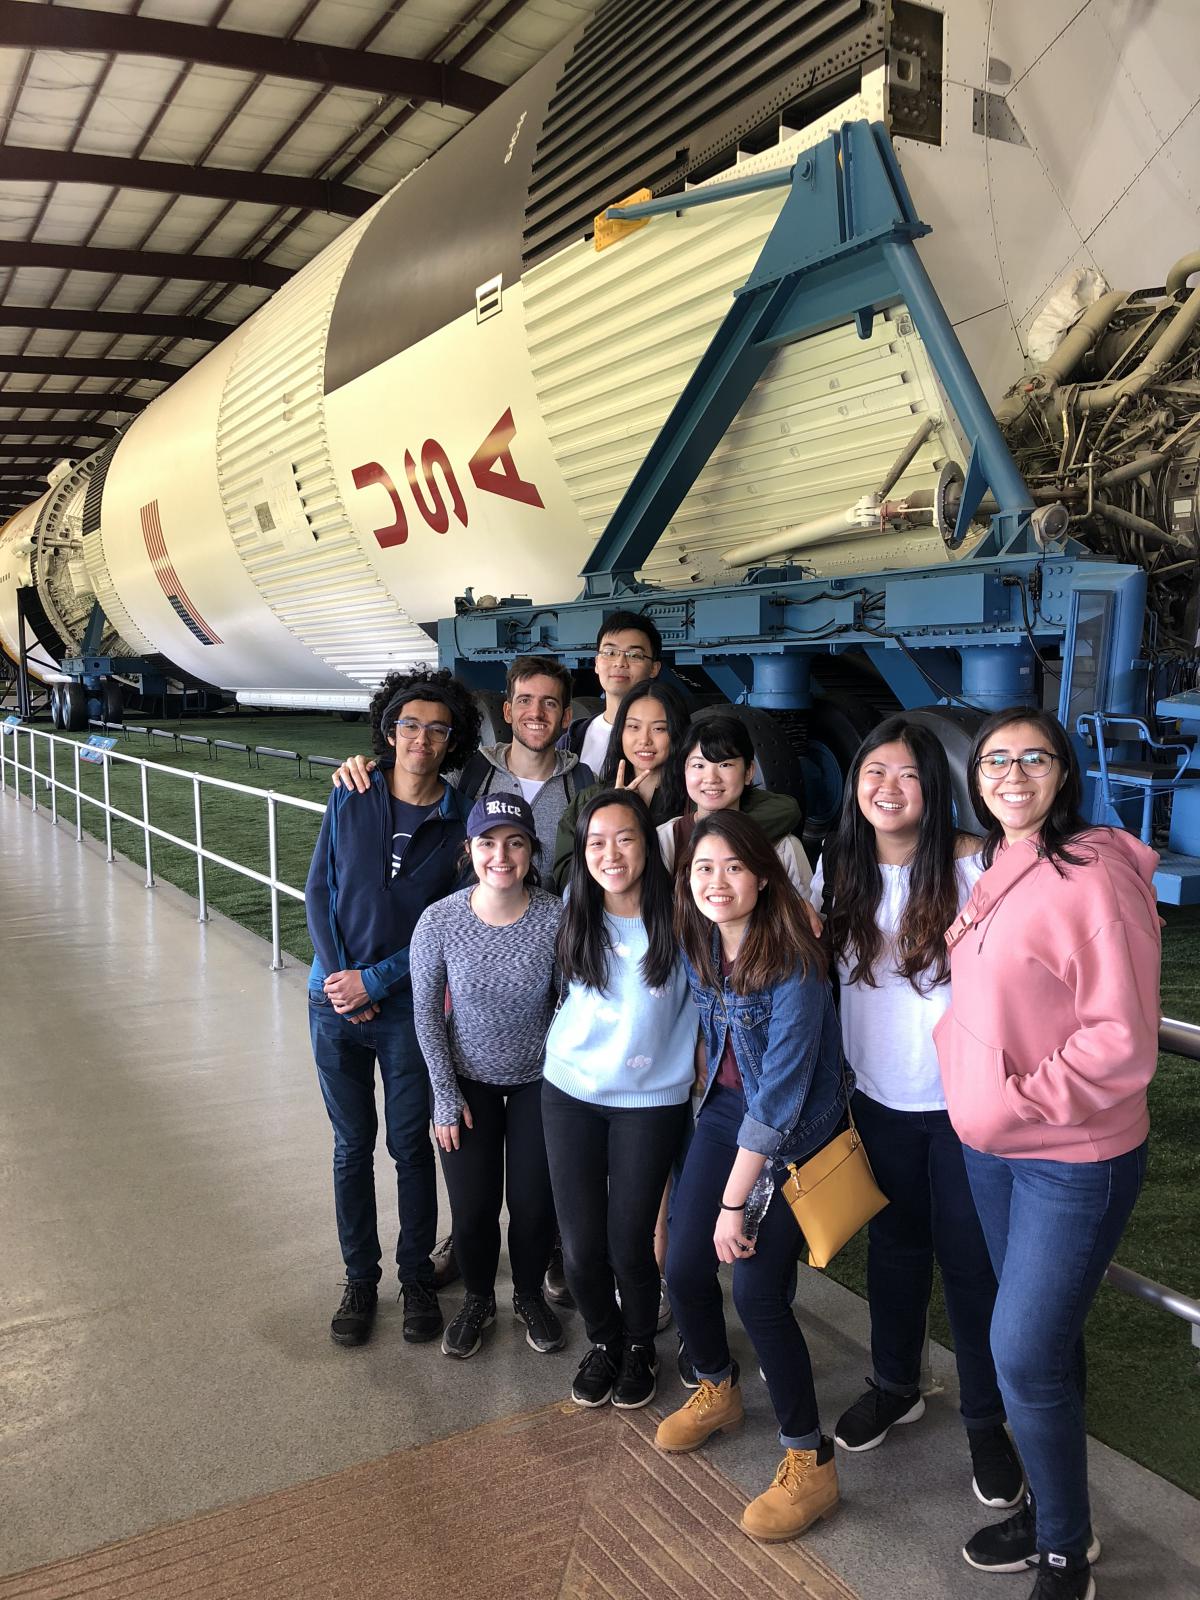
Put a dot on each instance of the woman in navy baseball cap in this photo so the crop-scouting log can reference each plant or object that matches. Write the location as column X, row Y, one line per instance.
column 482, row 965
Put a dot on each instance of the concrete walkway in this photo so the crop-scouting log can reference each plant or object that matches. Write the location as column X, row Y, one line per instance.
column 168, row 1267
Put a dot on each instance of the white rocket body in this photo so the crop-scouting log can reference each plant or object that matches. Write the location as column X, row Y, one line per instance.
column 283, row 532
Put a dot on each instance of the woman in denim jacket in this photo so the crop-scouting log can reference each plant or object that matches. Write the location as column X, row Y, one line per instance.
column 774, row 1092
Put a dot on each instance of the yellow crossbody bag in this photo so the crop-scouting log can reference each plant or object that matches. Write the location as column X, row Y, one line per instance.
column 833, row 1194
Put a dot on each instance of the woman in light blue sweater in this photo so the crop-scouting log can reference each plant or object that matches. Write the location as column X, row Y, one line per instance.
column 620, row 1062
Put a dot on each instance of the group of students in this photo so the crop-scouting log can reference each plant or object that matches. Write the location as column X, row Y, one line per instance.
column 660, row 1035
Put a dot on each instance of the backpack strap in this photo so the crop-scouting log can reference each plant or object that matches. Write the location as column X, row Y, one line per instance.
column 475, row 777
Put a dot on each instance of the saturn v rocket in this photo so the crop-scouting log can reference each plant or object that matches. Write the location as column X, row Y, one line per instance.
column 453, row 396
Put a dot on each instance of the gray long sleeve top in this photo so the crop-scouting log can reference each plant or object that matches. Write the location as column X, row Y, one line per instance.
column 502, row 995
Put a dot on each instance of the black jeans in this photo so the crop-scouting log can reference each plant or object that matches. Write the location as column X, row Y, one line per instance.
column 763, row 1284
column 917, row 1160
column 504, row 1150
column 609, row 1168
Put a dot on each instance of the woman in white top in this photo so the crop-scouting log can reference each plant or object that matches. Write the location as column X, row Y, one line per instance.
column 716, row 766
column 893, row 878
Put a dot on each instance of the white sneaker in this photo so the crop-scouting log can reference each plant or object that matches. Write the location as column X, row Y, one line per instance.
column 664, row 1306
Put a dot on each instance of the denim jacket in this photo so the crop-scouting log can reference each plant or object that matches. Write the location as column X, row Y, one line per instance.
column 789, row 1052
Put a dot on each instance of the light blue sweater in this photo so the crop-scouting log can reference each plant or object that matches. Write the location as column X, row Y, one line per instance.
column 628, row 1046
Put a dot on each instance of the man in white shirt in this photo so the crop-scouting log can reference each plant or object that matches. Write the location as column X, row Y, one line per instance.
column 628, row 651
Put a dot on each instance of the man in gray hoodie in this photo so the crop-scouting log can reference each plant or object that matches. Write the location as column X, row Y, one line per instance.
column 537, row 706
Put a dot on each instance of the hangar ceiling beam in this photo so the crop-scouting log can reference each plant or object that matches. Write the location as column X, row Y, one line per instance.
column 138, row 263
column 21, row 164
column 56, row 430
column 93, row 367
column 151, row 324
column 27, row 27
column 63, row 400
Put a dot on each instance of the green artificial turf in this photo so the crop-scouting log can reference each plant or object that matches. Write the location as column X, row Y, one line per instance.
column 1144, row 1378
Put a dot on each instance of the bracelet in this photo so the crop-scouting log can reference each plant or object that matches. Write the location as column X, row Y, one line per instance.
column 725, row 1207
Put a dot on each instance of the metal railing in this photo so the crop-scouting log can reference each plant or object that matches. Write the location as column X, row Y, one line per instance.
column 48, row 777
column 1179, row 1038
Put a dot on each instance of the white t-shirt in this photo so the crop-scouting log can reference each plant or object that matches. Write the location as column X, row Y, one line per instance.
column 595, row 743
column 529, row 787
column 887, row 1031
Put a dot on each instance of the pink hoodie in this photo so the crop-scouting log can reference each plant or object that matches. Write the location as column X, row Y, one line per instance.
column 1052, row 1033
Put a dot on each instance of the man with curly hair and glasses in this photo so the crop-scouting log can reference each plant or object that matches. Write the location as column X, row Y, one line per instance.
column 378, row 863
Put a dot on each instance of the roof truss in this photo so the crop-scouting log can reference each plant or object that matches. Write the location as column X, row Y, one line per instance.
column 56, row 400
column 152, row 325
column 93, row 367
column 22, row 164
column 140, row 263
column 29, row 27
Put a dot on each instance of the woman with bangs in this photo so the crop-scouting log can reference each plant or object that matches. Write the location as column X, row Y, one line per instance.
column 648, row 731
column 775, row 1092
column 716, row 773
column 895, row 876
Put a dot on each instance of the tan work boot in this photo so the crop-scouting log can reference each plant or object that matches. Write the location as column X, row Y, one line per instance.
column 805, row 1488
column 713, row 1406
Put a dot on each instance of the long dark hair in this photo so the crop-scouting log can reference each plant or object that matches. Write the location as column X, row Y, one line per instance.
column 583, row 941
column 719, row 738
column 1065, row 820
column 668, row 799
column 854, row 883
column 778, row 938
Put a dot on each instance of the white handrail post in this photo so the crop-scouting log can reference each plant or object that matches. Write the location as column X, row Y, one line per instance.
column 201, row 888
column 273, row 870
column 32, row 772
column 107, row 811
column 78, row 795
column 146, row 826
column 53, row 784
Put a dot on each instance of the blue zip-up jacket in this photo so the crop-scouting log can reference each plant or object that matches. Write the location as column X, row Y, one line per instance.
column 789, row 1052
column 359, row 915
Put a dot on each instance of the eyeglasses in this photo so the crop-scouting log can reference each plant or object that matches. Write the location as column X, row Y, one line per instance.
column 410, row 730
column 1036, row 763
column 611, row 653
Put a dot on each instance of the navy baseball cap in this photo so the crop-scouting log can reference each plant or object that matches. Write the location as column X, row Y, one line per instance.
column 495, row 809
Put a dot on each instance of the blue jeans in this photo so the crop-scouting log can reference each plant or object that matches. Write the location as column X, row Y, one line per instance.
column 917, row 1159
column 1051, row 1228
column 763, row 1284
column 346, row 1054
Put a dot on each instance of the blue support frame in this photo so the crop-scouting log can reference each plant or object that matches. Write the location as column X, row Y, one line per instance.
column 841, row 249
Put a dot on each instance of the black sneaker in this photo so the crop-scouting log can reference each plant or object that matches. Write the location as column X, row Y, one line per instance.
column 594, row 1381
column 1011, row 1545
column 465, row 1333
column 353, row 1319
column 867, row 1422
column 999, row 1478
column 555, row 1285
column 637, row 1380
column 543, row 1330
column 687, row 1372
column 1063, row 1582
column 423, row 1318
column 444, row 1263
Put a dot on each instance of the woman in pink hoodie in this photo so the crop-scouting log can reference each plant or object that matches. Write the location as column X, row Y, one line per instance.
column 1046, row 1052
